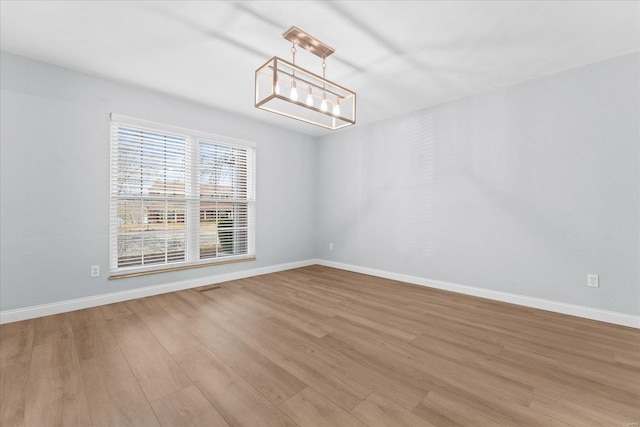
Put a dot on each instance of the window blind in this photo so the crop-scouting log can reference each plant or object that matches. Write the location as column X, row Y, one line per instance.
column 225, row 198
column 178, row 198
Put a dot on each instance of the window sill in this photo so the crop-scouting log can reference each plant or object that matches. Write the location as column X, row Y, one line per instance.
column 117, row 276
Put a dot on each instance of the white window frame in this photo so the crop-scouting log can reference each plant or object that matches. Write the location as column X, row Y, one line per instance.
column 192, row 220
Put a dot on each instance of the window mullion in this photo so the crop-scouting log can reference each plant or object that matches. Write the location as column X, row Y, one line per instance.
column 193, row 200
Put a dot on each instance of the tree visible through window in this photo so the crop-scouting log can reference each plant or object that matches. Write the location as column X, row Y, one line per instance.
column 178, row 198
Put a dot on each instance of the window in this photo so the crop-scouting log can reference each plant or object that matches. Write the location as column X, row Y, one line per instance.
column 179, row 198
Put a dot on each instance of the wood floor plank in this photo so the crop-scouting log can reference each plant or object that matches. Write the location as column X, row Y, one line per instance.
column 14, row 375
column 629, row 359
column 551, row 382
column 52, row 328
column 165, row 328
column 304, row 288
column 55, row 393
column 398, row 325
column 237, row 303
column 113, row 393
column 275, row 306
column 375, row 411
column 581, row 397
column 391, row 330
column 501, row 338
column 512, row 327
column 387, row 382
column 459, row 412
column 177, row 307
column 571, row 378
column 574, row 414
column 431, row 334
column 438, row 418
column 337, row 364
column 429, row 369
column 187, row 407
column 610, row 375
column 202, row 305
column 16, row 343
column 472, row 410
column 298, row 360
column 271, row 380
column 16, row 339
column 116, row 310
column 92, row 336
column 446, row 349
column 157, row 372
column 238, row 402
column 310, row 408
column 275, row 289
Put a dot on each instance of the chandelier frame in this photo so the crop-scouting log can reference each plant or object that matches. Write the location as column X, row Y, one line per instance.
column 277, row 72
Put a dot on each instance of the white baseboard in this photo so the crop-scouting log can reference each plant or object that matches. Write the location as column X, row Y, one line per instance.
column 543, row 304
column 16, row 315
column 25, row 313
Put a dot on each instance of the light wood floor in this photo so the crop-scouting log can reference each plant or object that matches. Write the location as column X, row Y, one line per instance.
column 318, row 347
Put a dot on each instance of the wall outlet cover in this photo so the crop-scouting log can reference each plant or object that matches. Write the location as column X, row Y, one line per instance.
column 95, row 270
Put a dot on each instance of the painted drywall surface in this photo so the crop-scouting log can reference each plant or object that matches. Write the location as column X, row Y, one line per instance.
column 525, row 189
column 55, row 182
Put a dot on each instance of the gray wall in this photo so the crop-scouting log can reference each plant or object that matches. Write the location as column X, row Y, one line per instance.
column 522, row 190
column 55, row 182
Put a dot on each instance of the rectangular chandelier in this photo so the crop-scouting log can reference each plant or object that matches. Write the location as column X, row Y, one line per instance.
column 284, row 88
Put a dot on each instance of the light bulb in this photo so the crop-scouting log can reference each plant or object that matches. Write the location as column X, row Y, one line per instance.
column 294, row 92
column 309, row 98
column 336, row 108
column 323, row 105
column 277, row 88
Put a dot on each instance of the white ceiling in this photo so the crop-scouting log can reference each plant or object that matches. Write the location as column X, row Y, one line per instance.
column 399, row 56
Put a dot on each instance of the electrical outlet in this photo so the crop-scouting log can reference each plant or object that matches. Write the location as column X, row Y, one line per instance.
column 330, row 246
column 593, row 281
column 95, row 270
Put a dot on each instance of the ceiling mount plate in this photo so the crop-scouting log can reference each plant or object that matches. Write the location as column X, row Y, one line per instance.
column 300, row 38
